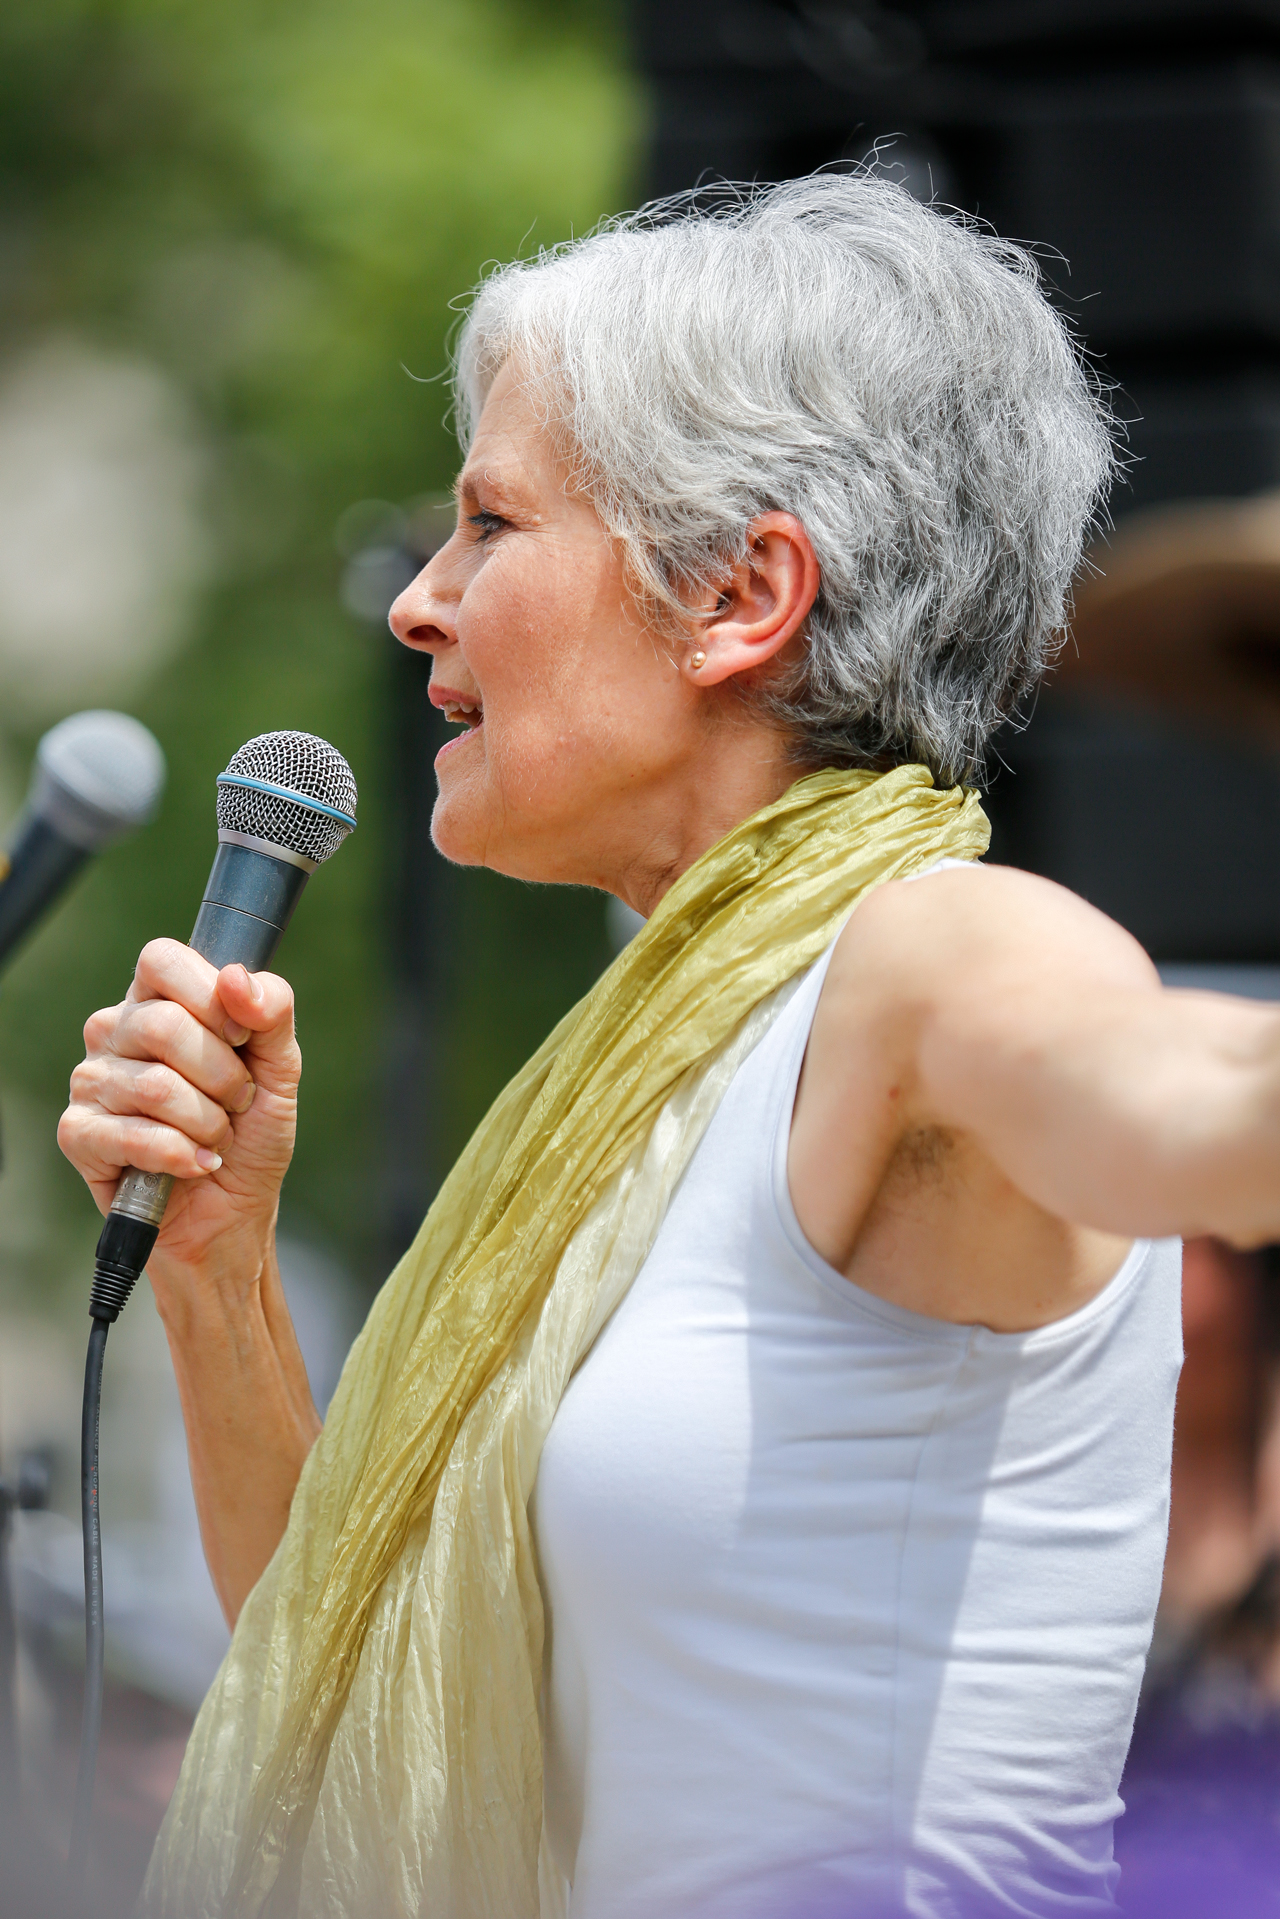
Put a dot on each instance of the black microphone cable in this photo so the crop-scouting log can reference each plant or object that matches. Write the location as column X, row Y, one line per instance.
column 94, row 1634
column 285, row 803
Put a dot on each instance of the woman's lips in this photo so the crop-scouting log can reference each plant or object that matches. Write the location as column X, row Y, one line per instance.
column 459, row 739
column 462, row 709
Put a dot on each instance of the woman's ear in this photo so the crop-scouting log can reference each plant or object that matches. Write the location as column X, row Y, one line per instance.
column 757, row 606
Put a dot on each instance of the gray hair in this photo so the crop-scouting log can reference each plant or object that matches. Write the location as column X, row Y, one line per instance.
column 831, row 348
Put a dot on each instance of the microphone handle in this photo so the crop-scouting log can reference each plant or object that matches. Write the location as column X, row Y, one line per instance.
column 248, row 902
column 41, row 861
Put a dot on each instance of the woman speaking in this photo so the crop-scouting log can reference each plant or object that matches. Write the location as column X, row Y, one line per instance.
column 747, row 1498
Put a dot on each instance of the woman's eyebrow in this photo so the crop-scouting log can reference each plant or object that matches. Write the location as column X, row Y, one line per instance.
column 469, row 483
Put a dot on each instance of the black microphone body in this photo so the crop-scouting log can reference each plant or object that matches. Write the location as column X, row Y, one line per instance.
column 41, row 863
column 247, row 905
column 97, row 776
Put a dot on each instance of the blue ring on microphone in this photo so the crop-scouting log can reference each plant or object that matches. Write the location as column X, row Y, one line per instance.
column 286, row 793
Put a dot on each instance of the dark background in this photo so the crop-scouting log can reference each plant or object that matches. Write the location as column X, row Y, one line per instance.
column 1136, row 145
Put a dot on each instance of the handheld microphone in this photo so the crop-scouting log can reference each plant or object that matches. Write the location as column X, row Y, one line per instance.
column 285, row 803
column 97, row 776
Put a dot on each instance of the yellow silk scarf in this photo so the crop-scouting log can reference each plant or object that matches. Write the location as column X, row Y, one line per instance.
column 372, row 1743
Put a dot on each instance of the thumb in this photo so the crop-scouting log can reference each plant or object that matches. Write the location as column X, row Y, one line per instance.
column 259, row 1009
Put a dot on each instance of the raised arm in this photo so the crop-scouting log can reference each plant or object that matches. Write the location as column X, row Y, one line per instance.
column 999, row 1014
column 196, row 1073
column 1105, row 1097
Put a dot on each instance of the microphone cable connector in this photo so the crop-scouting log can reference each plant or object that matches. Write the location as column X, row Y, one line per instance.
column 124, row 1247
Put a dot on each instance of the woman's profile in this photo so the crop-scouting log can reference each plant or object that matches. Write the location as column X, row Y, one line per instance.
column 748, row 1496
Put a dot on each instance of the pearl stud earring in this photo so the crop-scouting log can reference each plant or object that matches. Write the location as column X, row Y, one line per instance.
column 697, row 659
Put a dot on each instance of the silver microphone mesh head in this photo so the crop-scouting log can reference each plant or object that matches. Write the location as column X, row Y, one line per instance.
column 313, row 785
column 97, row 776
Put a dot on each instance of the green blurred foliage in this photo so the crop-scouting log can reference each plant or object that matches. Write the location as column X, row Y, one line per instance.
column 276, row 204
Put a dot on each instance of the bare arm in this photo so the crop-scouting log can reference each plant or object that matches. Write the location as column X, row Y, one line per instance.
column 998, row 1012
column 1136, row 1112
column 163, row 1087
column 1105, row 1098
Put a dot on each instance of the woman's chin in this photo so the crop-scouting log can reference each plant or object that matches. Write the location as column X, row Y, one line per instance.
column 470, row 829
column 457, row 829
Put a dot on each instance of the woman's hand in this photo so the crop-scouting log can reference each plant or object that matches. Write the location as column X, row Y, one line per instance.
column 196, row 1074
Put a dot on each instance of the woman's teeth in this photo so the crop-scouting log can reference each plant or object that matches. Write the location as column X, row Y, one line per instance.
column 464, row 713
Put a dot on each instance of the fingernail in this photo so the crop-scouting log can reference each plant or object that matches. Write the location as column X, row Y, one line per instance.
column 235, row 1034
column 207, row 1161
column 245, row 1100
column 255, row 989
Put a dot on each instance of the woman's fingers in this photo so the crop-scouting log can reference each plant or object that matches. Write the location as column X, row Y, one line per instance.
column 259, row 1020
column 126, row 1088
column 163, row 1079
column 234, row 1004
column 182, row 1010
column 175, row 1075
column 100, row 1146
column 168, row 970
column 163, row 1031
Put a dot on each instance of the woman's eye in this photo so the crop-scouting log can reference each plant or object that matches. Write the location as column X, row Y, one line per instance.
column 485, row 522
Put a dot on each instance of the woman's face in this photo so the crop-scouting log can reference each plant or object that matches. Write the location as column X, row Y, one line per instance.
column 586, row 745
column 566, row 705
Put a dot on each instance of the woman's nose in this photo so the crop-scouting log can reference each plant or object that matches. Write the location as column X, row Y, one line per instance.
column 420, row 618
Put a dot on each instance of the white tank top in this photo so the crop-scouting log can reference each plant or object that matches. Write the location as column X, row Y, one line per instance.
column 847, row 1607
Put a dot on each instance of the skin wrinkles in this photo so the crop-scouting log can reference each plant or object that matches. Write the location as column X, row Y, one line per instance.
column 997, row 1094
column 596, row 750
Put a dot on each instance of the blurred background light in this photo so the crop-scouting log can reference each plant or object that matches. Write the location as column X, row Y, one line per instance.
column 103, row 541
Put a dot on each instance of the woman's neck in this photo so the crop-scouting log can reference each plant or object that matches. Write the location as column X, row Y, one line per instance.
column 665, row 838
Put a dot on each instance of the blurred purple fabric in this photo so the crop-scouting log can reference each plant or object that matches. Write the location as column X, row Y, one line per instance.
column 1200, row 1838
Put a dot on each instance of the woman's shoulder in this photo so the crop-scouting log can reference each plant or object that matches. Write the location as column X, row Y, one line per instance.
column 969, row 928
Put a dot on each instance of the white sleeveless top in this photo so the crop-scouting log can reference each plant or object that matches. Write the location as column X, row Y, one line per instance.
column 847, row 1607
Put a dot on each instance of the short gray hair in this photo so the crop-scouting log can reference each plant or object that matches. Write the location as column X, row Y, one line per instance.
column 831, row 348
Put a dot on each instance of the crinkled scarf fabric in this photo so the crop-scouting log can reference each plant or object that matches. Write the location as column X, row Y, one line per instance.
column 372, row 1742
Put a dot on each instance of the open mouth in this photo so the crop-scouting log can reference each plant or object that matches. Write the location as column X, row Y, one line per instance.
column 466, row 713
column 461, row 711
